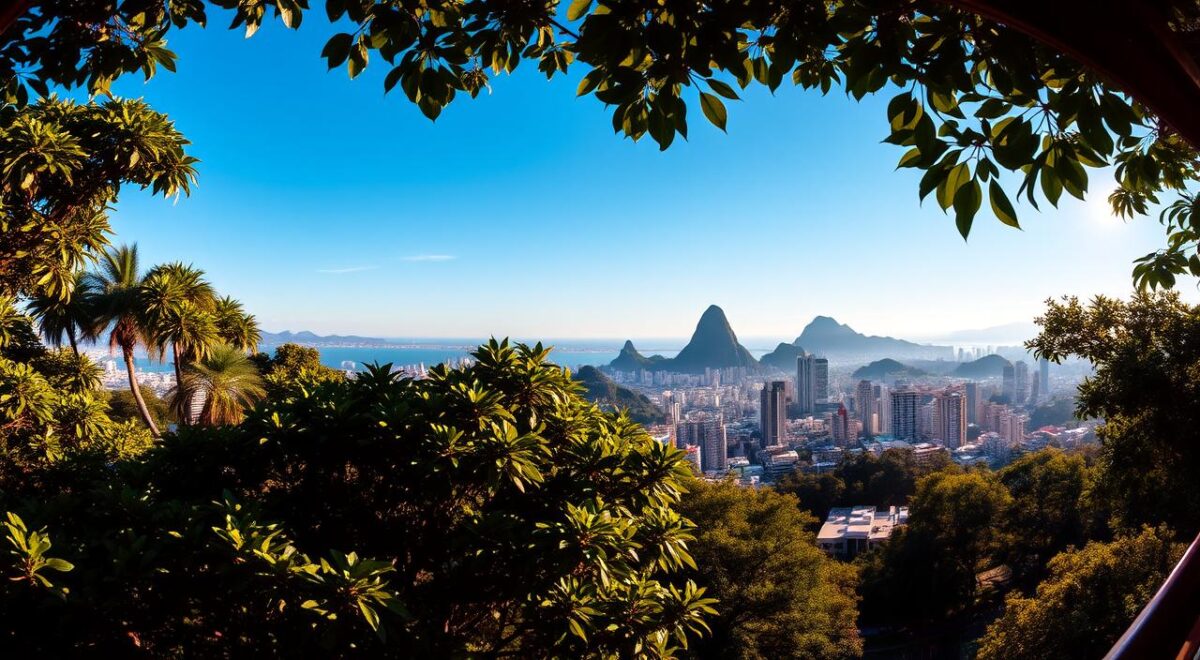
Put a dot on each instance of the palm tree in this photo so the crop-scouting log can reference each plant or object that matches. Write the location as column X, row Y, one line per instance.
column 226, row 380
column 191, row 332
column 178, row 301
column 119, row 306
column 70, row 317
column 236, row 327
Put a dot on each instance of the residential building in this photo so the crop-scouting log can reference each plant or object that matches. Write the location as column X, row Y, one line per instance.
column 848, row 531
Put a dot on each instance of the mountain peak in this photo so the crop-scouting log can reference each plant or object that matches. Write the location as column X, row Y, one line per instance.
column 713, row 344
column 628, row 347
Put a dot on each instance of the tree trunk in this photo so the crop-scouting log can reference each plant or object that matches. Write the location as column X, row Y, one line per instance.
column 71, row 338
column 186, row 417
column 137, row 392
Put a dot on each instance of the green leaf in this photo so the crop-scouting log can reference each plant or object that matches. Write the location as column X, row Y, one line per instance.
column 966, row 205
column 713, row 109
column 337, row 49
column 577, row 9
column 948, row 190
column 1001, row 207
column 722, row 89
column 61, row 565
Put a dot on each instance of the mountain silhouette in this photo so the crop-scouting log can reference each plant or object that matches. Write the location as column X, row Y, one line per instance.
column 825, row 336
column 631, row 360
column 880, row 369
column 987, row 366
column 783, row 357
column 713, row 345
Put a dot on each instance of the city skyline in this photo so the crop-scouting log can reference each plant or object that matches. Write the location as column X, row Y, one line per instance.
column 382, row 223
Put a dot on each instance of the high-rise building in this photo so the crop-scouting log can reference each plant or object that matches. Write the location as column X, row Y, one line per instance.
column 905, row 411
column 773, row 413
column 1010, row 384
column 883, row 401
column 864, row 403
column 841, row 426
column 706, row 432
column 951, row 424
column 806, row 384
column 1020, row 383
column 972, row 394
column 1044, row 377
column 821, row 376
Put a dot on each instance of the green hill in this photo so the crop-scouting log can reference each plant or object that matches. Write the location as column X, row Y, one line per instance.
column 988, row 366
column 602, row 390
column 782, row 358
column 879, row 369
column 631, row 360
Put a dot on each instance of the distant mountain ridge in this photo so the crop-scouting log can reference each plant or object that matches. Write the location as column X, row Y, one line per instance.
column 783, row 357
column 713, row 345
column 826, row 337
column 307, row 338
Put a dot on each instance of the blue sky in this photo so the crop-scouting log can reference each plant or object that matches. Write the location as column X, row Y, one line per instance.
column 324, row 205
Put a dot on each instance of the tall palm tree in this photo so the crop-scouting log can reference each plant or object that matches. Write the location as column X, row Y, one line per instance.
column 70, row 317
column 190, row 331
column 178, row 301
column 236, row 327
column 119, row 306
column 227, row 381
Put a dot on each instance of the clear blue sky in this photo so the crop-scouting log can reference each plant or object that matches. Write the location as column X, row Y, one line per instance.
column 325, row 205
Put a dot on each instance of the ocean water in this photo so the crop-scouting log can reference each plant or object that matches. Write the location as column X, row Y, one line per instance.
column 568, row 353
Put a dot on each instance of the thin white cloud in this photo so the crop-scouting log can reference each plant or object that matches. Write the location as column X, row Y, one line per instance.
column 344, row 271
column 429, row 257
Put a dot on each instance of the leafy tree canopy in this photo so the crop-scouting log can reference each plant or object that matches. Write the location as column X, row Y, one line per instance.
column 1090, row 598
column 481, row 511
column 1145, row 387
column 779, row 596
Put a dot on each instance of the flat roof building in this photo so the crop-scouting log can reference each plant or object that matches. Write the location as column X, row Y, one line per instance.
column 849, row 531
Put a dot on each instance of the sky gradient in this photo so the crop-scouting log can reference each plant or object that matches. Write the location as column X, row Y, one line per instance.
column 324, row 205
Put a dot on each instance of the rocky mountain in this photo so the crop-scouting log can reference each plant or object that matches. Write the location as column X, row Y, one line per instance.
column 631, row 360
column 825, row 336
column 782, row 358
column 714, row 345
column 880, row 369
column 602, row 390
column 306, row 338
column 988, row 366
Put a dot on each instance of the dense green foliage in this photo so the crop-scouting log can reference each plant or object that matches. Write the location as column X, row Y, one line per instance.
column 1058, row 412
column 928, row 569
column 1089, row 598
column 779, row 596
column 1146, row 388
column 1048, row 513
column 486, row 510
column 122, row 407
column 63, row 165
column 862, row 479
column 600, row 389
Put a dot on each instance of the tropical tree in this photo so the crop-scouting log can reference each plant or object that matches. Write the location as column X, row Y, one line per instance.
column 119, row 308
column 178, row 304
column 225, row 380
column 63, row 166
column 1090, row 597
column 68, row 316
column 778, row 595
column 235, row 326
